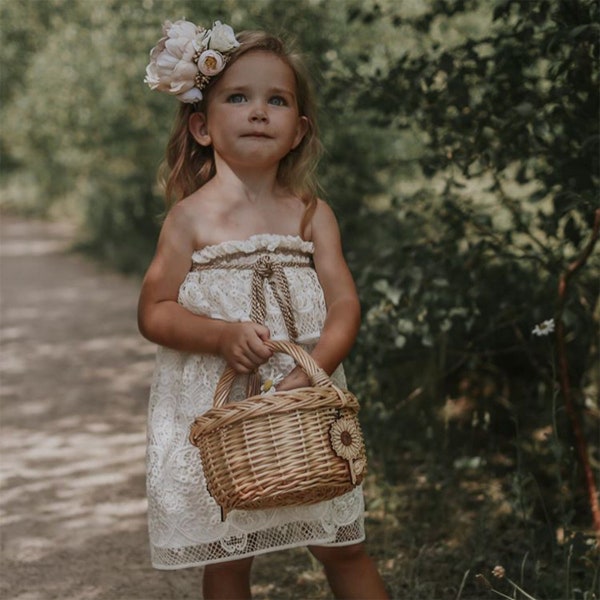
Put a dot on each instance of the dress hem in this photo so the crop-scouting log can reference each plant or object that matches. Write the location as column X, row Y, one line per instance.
column 301, row 544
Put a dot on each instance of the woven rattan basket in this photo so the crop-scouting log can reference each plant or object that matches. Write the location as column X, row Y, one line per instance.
column 287, row 448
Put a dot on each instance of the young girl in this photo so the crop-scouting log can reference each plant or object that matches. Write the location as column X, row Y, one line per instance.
column 245, row 218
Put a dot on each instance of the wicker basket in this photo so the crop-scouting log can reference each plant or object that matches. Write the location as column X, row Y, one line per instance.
column 287, row 448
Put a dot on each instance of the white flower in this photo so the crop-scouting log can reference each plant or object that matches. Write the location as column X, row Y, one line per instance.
column 180, row 29
column 191, row 96
column 172, row 68
column 499, row 571
column 211, row 63
column 268, row 387
column 222, row 38
column 544, row 328
column 202, row 39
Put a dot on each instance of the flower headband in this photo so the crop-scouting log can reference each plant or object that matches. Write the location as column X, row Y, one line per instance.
column 185, row 59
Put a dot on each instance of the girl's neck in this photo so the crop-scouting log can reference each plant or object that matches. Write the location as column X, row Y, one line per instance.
column 251, row 185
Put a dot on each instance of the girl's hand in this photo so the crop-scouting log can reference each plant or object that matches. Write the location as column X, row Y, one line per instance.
column 242, row 346
column 297, row 378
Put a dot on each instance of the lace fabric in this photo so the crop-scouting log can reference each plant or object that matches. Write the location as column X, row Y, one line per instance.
column 184, row 521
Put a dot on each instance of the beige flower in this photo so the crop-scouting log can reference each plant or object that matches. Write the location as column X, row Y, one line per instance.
column 211, row 63
column 346, row 439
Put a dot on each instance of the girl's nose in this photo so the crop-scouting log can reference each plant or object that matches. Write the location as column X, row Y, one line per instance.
column 258, row 115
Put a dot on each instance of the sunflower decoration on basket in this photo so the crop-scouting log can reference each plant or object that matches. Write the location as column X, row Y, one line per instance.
column 347, row 443
column 283, row 448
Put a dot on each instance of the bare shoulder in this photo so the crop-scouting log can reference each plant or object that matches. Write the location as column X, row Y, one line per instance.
column 324, row 227
column 181, row 213
column 194, row 219
column 178, row 230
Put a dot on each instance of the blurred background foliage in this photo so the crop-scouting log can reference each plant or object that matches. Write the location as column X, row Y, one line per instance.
column 462, row 161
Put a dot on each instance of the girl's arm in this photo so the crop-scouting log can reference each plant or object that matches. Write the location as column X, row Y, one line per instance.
column 163, row 321
column 343, row 307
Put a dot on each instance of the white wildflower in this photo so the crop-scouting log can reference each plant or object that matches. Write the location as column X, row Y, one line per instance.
column 268, row 386
column 544, row 328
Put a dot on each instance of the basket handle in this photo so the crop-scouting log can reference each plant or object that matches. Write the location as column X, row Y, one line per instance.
column 317, row 376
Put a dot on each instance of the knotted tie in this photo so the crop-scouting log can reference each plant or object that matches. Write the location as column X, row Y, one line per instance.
column 266, row 269
column 271, row 271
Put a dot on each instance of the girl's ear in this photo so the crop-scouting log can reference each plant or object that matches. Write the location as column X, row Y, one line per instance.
column 197, row 126
column 303, row 125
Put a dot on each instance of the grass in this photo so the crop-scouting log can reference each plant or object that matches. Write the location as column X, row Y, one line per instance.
column 450, row 533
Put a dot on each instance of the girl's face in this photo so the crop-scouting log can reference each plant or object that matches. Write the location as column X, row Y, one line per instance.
column 252, row 114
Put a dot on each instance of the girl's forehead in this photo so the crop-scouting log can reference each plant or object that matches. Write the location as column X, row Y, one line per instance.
column 256, row 66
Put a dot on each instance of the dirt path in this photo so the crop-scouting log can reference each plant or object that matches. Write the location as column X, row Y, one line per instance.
column 74, row 376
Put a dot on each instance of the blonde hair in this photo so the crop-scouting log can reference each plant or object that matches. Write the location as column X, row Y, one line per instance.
column 188, row 165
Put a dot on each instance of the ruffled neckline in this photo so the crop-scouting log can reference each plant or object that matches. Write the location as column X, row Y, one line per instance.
column 268, row 242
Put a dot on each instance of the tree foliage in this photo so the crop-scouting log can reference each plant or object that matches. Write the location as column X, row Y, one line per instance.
column 508, row 119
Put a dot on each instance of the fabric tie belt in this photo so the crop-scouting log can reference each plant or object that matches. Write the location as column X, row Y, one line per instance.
column 264, row 268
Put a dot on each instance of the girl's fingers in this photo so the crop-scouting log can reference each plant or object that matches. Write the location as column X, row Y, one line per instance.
column 296, row 379
column 244, row 347
column 259, row 351
column 248, row 360
column 242, row 365
column 263, row 332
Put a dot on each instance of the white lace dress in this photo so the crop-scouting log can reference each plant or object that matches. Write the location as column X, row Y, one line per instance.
column 184, row 521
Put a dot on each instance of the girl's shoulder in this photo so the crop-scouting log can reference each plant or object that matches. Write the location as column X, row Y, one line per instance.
column 184, row 213
column 323, row 209
column 323, row 221
column 195, row 203
column 190, row 219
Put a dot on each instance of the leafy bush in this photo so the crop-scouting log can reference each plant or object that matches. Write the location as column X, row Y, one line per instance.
column 455, row 274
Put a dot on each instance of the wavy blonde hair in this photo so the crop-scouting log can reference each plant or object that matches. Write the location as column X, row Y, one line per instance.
column 188, row 165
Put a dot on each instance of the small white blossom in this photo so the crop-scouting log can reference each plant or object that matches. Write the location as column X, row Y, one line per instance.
column 499, row 571
column 544, row 328
column 268, row 387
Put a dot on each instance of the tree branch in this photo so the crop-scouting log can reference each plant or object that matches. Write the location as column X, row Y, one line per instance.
column 563, row 375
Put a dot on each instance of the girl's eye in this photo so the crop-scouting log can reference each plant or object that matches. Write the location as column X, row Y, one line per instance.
column 236, row 98
column 278, row 101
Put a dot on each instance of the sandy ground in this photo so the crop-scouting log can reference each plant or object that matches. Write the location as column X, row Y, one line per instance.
column 74, row 375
